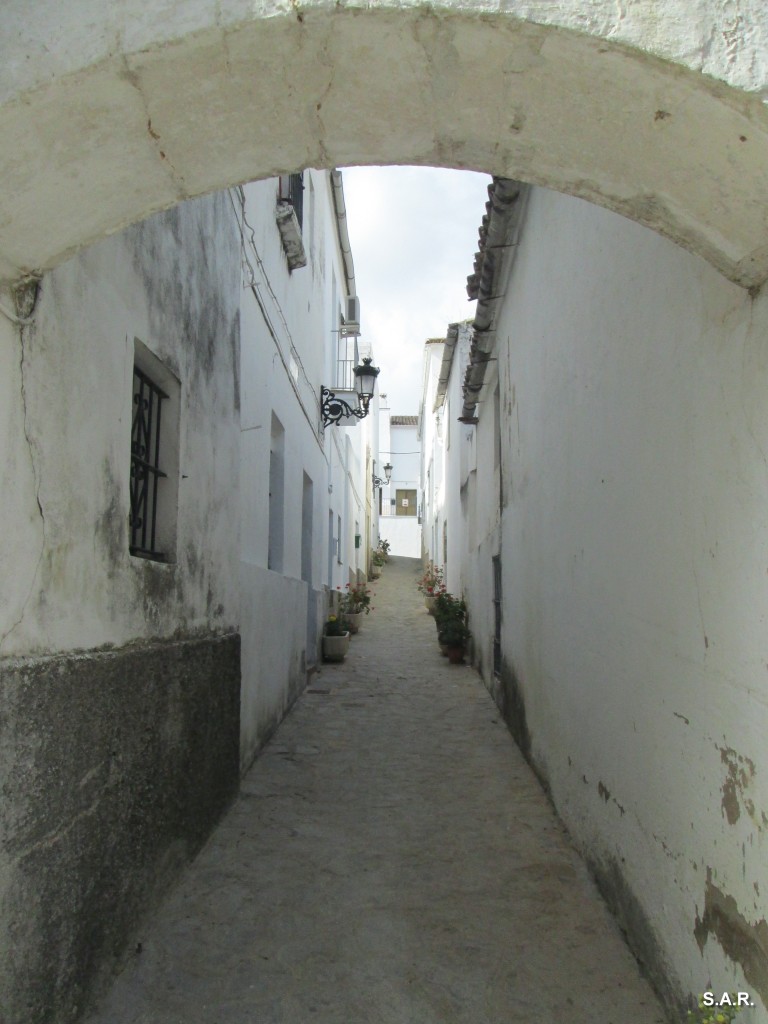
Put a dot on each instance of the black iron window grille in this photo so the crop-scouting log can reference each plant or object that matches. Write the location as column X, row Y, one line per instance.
column 145, row 465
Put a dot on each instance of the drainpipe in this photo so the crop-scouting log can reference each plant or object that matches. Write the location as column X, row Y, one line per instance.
column 498, row 234
column 340, row 209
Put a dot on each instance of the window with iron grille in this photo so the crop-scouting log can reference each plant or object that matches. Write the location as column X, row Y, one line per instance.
column 146, row 472
column 153, row 485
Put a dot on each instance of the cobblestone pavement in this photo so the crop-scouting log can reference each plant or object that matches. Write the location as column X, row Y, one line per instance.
column 391, row 859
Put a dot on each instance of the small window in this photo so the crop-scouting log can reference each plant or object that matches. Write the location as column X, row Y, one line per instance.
column 405, row 502
column 290, row 215
column 154, row 458
column 292, row 191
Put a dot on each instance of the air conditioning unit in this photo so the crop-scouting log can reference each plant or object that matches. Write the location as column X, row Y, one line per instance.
column 351, row 324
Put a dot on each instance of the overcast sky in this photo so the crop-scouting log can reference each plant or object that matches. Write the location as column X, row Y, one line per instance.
column 414, row 236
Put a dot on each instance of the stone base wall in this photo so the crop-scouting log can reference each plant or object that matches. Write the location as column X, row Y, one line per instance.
column 114, row 766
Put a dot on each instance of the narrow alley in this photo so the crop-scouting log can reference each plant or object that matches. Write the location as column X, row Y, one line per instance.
column 391, row 858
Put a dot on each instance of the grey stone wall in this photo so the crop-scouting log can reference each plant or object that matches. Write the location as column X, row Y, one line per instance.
column 114, row 766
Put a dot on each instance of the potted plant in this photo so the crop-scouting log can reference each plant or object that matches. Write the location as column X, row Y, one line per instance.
column 454, row 634
column 355, row 604
column 377, row 560
column 446, row 608
column 335, row 639
column 431, row 585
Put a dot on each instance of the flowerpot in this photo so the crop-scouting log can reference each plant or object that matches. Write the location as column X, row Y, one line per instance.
column 335, row 647
column 456, row 655
column 354, row 620
column 430, row 604
column 443, row 650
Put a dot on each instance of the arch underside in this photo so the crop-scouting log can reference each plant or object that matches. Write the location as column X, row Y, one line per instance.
column 94, row 149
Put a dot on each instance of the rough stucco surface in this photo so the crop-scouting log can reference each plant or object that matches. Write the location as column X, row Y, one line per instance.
column 173, row 283
column 115, row 767
column 110, row 113
column 632, row 541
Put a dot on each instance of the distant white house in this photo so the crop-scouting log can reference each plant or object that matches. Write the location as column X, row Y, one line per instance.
column 446, row 454
column 399, row 501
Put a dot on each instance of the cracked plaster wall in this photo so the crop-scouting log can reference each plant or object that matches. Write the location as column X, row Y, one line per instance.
column 109, row 112
column 70, row 582
column 633, row 541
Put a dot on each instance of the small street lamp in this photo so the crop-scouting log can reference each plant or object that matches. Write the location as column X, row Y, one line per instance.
column 378, row 482
column 365, row 380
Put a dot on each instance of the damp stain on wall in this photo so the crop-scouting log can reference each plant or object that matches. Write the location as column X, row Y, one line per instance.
column 743, row 942
column 740, row 771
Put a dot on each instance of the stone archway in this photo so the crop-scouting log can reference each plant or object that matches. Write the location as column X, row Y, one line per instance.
column 107, row 117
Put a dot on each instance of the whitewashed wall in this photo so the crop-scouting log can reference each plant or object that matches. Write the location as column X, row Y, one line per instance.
column 633, row 542
column 289, row 320
column 69, row 581
column 126, row 683
column 403, row 452
column 432, row 455
column 119, row 676
column 459, row 440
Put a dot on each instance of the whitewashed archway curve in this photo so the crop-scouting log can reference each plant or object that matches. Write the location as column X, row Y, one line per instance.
column 107, row 116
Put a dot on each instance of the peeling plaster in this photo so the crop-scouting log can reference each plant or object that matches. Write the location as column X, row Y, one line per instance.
column 740, row 772
column 744, row 943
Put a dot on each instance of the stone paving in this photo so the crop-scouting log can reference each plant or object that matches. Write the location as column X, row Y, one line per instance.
column 391, row 860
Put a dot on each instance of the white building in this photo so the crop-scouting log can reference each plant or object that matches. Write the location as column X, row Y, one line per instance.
column 400, row 522
column 611, row 423
column 446, row 454
column 311, row 530
column 176, row 513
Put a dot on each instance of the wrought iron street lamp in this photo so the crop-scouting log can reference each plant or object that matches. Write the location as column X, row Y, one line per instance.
column 365, row 382
column 334, row 409
column 378, row 482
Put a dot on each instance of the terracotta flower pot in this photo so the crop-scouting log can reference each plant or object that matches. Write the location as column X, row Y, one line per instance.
column 456, row 655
